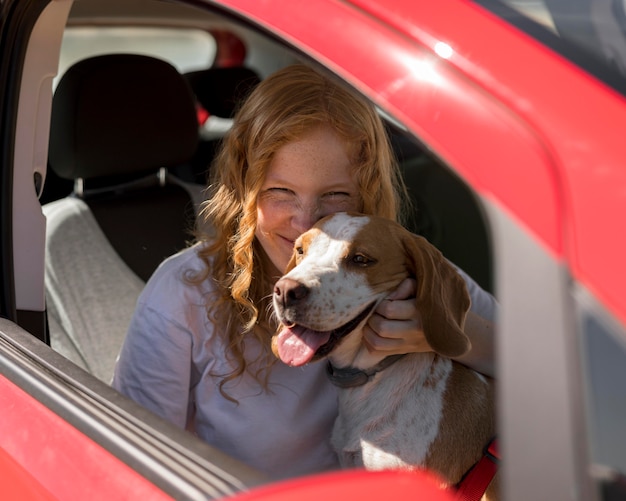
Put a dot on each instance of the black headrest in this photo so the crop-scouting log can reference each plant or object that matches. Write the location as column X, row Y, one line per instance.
column 219, row 90
column 118, row 114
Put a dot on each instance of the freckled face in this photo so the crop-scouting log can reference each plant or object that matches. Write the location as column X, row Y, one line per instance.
column 306, row 180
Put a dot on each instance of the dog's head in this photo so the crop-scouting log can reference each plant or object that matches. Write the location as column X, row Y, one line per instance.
column 340, row 271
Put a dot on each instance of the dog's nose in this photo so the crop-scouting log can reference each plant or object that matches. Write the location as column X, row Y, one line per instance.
column 290, row 292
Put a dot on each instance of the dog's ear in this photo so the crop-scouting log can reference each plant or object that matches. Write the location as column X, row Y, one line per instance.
column 442, row 297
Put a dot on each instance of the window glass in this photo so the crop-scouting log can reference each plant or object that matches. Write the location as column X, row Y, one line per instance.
column 604, row 360
column 535, row 10
column 590, row 33
column 186, row 49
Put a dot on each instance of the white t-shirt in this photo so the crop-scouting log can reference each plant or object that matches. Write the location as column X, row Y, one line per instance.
column 172, row 350
column 166, row 363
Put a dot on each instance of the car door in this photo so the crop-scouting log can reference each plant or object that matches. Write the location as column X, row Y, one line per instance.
column 528, row 131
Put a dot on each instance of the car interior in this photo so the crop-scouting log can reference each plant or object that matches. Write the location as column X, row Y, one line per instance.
column 125, row 213
column 132, row 139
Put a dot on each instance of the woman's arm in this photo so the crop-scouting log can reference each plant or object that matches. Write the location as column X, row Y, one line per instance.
column 481, row 334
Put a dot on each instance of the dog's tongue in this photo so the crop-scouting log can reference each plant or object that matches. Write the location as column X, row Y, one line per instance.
column 297, row 344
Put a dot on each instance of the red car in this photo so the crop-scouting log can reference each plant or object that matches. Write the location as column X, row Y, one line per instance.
column 507, row 118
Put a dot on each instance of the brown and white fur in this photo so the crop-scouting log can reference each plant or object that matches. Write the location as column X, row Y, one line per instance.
column 423, row 410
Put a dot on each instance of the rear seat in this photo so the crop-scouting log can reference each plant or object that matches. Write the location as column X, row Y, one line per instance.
column 218, row 91
column 118, row 122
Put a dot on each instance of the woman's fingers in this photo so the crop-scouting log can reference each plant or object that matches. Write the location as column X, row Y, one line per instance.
column 396, row 325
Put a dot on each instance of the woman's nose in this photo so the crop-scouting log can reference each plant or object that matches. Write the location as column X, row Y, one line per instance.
column 306, row 216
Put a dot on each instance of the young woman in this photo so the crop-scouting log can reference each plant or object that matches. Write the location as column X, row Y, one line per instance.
column 198, row 348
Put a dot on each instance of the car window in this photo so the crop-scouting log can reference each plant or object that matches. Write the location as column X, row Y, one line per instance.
column 186, row 49
column 604, row 370
column 590, row 33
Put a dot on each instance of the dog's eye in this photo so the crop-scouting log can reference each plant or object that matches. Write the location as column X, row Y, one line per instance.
column 299, row 250
column 361, row 260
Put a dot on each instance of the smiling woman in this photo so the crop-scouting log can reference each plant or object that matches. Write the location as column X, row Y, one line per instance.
column 302, row 146
column 205, row 310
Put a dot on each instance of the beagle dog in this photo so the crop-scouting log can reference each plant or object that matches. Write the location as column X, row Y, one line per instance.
column 409, row 411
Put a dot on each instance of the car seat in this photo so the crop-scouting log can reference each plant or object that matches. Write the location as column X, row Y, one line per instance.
column 221, row 90
column 218, row 91
column 118, row 122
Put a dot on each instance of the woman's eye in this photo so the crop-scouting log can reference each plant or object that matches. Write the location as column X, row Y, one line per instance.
column 277, row 195
column 279, row 192
column 337, row 201
column 337, row 194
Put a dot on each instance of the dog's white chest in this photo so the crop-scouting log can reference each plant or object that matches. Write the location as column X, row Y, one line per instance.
column 392, row 421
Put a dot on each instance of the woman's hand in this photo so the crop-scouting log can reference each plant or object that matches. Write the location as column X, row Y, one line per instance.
column 396, row 325
column 396, row 328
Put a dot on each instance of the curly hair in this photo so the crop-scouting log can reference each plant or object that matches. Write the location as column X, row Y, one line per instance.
column 280, row 110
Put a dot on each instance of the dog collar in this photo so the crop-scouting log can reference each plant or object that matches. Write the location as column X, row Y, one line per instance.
column 350, row 377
